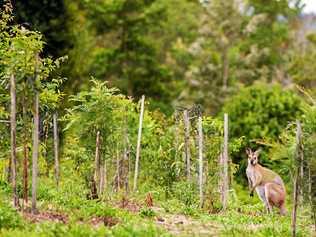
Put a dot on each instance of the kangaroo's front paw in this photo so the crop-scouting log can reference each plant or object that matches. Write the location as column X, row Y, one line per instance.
column 251, row 194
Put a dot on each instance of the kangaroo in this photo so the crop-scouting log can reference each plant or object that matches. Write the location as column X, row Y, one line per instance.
column 268, row 184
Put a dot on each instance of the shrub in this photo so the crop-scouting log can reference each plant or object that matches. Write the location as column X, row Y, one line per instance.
column 262, row 111
column 147, row 212
column 9, row 218
column 186, row 192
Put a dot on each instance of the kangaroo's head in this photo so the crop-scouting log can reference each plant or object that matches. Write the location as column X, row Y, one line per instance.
column 252, row 156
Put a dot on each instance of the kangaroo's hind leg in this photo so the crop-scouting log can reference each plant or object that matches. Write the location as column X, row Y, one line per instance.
column 276, row 196
column 262, row 195
column 269, row 193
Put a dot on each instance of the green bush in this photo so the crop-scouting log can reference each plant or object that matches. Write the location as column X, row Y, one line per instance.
column 5, row 187
column 260, row 112
column 9, row 218
column 186, row 192
column 147, row 212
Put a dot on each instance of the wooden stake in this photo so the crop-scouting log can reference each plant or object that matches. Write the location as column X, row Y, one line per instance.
column 301, row 178
column 56, row 150
column 13, row 140
column 310, row 197
column 125, row 165
column 102, row 173
column 118, row 170
column 25, row 153
column 105, row 175
column 35, row 151
column 187, row 144
column 97, row 162
column 225, row 188
column 139, row 142
column 200, row 133
column 176, row 137
column 25, row 172
column 296, row 176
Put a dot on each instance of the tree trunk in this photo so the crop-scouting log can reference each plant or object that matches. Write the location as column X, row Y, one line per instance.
column 56, row 150
column 13, row 140
column 224, row 157
column 225, row 65
column 297, row 162
column 139, row 137
column 97, row 162
column 35, row 151
column 187, row 144
column 200, row 133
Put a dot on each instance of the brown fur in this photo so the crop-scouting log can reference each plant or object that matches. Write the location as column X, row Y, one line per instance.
column 267, row 183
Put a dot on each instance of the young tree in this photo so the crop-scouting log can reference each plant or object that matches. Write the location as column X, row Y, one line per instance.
column 20, row 48
column 99, row 109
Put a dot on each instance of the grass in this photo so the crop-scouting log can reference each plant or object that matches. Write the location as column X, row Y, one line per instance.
column 174, row 216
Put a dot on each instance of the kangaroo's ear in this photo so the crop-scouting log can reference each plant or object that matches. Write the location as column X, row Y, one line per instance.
column 248, row 151
column 257, row 152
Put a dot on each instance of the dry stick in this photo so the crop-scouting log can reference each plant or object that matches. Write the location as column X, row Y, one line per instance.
column 225, row 164
column 56, row 143
column 139, row 142
column 13, row 139
column 35, row 151
column 97, row 162
column 200, row 133
column 187, row 144
column 296, row 175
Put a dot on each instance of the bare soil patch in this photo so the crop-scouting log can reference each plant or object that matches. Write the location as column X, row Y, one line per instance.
column 46, row 216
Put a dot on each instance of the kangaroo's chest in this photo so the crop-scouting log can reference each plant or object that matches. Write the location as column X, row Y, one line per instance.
column 251, row 174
